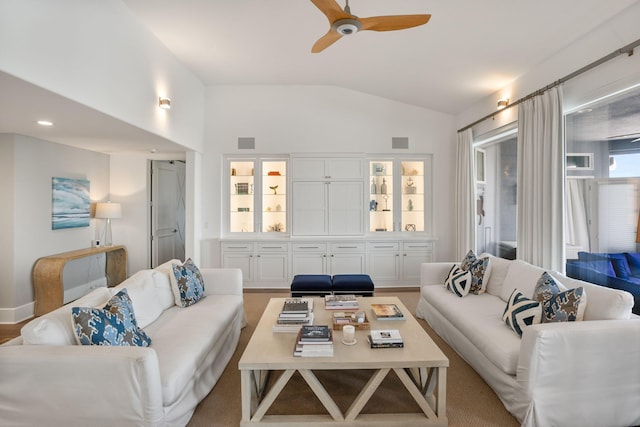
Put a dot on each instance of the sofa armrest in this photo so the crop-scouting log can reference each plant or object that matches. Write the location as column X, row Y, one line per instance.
column 594, row 363
column 222, row 281
column 434, row 273
column 82, row 385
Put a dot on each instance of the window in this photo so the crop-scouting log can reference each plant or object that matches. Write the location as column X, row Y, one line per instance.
column 602, row 201
column 496, row 194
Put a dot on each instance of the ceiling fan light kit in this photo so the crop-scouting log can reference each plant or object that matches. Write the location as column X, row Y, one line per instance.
column 346, row 27
column 343, row 23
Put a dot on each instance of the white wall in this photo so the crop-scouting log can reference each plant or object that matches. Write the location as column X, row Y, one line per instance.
column 35, row 163
column 617, row 32
column 7, row 218
column 321, row 119
column 97, row 53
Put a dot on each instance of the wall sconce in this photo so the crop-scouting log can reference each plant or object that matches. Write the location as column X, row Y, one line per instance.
column 502, row 103
column 164, row 103
column 108, row 211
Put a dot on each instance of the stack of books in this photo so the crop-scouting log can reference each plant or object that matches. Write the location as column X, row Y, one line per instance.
column 385, row 338
column 341, row 302
column 387, row 312
column 314, row 341
column 295, row 313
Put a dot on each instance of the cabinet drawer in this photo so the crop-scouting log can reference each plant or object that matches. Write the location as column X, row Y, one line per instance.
column 309, row 247
column 347, row 247
column 272, row 247
column 417, row 246
column 384, row 246
column 238, row 247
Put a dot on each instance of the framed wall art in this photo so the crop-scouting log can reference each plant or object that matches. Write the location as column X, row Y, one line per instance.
column 70, row 203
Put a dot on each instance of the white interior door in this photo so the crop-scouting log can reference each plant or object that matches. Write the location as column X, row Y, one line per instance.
column 167, row 211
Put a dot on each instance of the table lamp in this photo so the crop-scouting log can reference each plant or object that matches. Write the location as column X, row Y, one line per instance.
column 108, row 211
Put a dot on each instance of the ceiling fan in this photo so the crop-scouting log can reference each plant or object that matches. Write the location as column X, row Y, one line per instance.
column 343, row 23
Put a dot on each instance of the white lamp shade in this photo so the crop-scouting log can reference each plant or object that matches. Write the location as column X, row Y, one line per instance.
column 108, row 210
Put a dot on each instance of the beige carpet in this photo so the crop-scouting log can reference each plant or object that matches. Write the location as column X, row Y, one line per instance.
column 470, row 401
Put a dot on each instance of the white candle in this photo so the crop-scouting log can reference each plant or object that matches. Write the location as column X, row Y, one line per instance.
column 348, row 333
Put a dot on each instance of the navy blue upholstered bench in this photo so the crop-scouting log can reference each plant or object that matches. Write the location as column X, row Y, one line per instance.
column 311, row 284
column 356, row 284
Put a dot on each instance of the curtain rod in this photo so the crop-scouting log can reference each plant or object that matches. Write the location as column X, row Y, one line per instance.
column 628, row 49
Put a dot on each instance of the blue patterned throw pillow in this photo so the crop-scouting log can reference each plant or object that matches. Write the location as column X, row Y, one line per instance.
column 114, row 325
column 187, row 284
column 480, row 270
column 558, row 305
column 458, row 281
column 521, row 311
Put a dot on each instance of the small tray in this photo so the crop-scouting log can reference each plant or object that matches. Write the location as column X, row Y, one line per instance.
column 339, row 322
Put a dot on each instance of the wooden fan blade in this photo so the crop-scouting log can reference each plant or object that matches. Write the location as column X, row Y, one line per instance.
column 391, row 23
column 331, row 9
column 325, row 41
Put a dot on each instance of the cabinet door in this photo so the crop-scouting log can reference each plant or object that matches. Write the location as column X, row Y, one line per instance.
column 309, row 263
column 241, row 196
column 309, row 208
column 308, row 168
column 345, row 212
column 346, row 263
column 272, row 267
column 274, row 196
column 384, row 265
column 344, row 168
column 243, row 261
column 384, row 260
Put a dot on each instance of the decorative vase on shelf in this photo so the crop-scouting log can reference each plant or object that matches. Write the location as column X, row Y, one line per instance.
column 410, row 205
column 383, row 187
column 373, row 186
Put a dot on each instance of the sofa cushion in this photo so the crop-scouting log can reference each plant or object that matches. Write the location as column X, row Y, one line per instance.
column 602, row 266
column 187, row 284
column 141, row 288
column 633, row 259
column 521, row 312
column 458, row 281
column 521, row 275
column 113, row 325
column 479, row 319
column 604, row 303
column 499, row 269
column 618, row 261
column 559, row 305
column 184, row 337
column 55, row 328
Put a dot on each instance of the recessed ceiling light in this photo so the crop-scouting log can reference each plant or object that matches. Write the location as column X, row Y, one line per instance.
column 45, row 122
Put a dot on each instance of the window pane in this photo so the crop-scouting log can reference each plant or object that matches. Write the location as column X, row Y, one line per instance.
column 496, row 193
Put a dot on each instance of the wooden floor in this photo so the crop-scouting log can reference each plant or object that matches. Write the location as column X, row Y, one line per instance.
column 10, row 331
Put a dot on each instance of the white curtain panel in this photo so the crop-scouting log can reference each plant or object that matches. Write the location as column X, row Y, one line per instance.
column 465, row 235
column 577, row 229
column 541, row 180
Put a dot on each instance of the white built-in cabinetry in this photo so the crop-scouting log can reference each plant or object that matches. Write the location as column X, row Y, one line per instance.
column 327, row 196
column 328, row 214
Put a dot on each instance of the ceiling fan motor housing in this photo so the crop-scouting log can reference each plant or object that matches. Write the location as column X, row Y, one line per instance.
column 347, row 27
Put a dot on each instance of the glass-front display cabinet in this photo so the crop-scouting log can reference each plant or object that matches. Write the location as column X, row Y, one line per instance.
column 257, row 195
column 400, row 195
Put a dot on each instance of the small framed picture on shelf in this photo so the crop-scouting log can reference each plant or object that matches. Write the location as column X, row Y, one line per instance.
column 242, row 188
column 377, row 168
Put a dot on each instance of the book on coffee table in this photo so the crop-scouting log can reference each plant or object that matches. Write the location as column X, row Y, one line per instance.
column 315, row 333
column 385, row 338
column 387, row 312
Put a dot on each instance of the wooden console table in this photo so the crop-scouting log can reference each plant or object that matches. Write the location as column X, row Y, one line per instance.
column 47, row 274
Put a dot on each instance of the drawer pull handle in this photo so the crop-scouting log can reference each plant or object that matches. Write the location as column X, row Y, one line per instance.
column 347, row 247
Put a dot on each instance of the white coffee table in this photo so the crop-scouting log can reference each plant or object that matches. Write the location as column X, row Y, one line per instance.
column 420, row 365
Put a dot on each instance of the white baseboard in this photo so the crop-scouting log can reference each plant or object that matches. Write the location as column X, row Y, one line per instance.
column 17, row 314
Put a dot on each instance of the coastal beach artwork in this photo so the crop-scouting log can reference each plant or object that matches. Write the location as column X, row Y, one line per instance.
column 71, row 203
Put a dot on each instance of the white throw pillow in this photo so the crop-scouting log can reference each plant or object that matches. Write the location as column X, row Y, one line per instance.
column 55, row 328
column 163, row 283
column 141, row 288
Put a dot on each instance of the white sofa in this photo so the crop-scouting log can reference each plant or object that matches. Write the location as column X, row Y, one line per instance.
column 47, row 379
column 584, row 373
